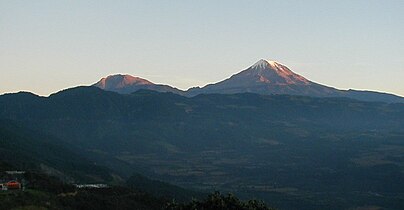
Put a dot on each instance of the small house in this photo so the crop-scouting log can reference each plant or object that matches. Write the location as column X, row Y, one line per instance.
column 13, row 185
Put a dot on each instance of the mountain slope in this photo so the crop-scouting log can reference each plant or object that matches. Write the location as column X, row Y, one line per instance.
column 31, row 150
column 90, row 116
column 294, row 150
column 126, row 84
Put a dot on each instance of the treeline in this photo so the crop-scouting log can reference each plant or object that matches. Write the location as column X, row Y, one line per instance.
column 220, row 202
column 45, row 192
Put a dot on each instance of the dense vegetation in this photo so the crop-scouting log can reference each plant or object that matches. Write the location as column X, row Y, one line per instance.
column 27, row 149
column 219, row 202
column 46, row 192
column 42, row 191
column 162, row 189
column 291, row 151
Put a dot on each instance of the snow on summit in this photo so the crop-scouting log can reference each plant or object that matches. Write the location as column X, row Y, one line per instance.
column 262, row 64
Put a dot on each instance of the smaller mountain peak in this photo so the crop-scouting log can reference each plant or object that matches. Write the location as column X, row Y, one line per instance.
column 125, row 77
column 121, row 80
column 126, row 84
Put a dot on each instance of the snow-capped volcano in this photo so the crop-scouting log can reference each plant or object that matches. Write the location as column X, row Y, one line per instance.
column 271, row 77
column 266, row 77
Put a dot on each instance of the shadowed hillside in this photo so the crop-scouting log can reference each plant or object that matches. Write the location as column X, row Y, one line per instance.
column 293, row 151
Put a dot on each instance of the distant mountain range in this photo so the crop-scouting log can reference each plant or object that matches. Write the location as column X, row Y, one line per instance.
column 264, row 77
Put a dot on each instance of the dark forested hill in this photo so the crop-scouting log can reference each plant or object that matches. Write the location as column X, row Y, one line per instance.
column 31, row 150
column 301, row 152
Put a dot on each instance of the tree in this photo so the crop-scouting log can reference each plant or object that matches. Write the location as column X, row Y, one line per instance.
column 219, row 202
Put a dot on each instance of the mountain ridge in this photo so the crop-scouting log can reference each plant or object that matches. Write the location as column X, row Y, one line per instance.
column 197, row 142
column 264, row 77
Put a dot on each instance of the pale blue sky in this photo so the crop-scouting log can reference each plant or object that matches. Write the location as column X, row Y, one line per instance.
column 46, row 46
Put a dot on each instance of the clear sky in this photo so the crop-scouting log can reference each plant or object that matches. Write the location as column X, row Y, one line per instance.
column 46, row 46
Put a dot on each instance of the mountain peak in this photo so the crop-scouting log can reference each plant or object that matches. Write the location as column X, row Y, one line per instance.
column 272, row 72
column 124, row 83
column 262, row 63
column 121, row 80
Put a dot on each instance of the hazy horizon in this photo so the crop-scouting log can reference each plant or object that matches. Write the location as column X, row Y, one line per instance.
column 48, row 46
